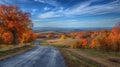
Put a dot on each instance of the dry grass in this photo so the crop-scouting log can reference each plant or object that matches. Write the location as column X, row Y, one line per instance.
column 11, row 50
column 75, row 60
column 6, row 47
column 58, row 42
column 89, row 58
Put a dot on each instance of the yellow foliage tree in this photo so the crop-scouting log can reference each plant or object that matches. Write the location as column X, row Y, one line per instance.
column 63, row 37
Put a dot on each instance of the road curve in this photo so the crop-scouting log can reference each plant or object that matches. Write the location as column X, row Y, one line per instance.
column 41, row 56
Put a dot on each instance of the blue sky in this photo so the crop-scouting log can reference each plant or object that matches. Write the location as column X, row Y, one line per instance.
column 70, row 13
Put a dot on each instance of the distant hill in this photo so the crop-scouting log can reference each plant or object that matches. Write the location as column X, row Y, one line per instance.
column 67, row 29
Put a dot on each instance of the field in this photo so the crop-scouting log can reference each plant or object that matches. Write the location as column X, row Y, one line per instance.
column 80, row 57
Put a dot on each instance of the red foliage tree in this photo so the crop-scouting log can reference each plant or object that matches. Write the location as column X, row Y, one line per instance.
column 7, row 37
column 115, row 37
column 14, row 21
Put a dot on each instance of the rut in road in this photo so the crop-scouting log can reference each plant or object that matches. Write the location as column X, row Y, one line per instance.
column 41, row 56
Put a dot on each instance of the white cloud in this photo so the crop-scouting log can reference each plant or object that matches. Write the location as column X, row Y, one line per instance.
column 52, row 14
column 42, row 1
column 84, row 8
column 50, row 2
column 49, row 15
column 5, row 2
column 11, row 2
column 77, row 23
column 1, row 2
column 46, row 8
column 34, row 11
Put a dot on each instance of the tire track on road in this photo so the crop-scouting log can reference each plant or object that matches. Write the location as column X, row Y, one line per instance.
column 41, row 56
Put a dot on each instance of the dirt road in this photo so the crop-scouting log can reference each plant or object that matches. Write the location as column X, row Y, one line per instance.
column 41, row 56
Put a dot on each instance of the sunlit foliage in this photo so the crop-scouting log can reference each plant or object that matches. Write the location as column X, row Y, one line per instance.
column 106, row 40
column 14, row 24
column 63, row 37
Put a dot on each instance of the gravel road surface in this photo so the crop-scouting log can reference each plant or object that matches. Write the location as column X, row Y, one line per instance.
column 41, row 56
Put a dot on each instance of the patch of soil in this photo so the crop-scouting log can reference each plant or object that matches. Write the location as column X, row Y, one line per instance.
column 102, row 61
column 114, row 60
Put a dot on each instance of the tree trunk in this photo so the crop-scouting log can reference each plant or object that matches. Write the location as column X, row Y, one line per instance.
column 118, row 47
column 15, row 40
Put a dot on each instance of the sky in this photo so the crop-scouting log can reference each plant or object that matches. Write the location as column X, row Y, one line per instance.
column 70, row 13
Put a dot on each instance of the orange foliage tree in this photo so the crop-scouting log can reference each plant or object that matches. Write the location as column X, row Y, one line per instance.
column 49, row 35
column 7, row 37
column 80, row 35
column 63, row 37
column 82, row 43
column 72, row 35
column 85, row 43
column 27, row 36
column 106, row 40
column 114, row 37
column 95, row 43
column 14, row 21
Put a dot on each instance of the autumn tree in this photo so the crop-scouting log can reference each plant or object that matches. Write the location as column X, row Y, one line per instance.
column 72, row 35
column 63, row 37
column 7, row 37
column 115, row 37
column 14, row 20
column 85, row 43
column 95, row 43
column 82, row 43
column 106, row 40
column 1, row 32
column 80, row 35
column 49, row 35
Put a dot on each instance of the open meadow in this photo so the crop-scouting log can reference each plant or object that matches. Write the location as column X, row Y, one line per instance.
column 79, row 52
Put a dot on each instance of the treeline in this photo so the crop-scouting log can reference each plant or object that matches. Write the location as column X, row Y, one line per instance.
column 106, row 40
column 48, row 35
column 15, row 26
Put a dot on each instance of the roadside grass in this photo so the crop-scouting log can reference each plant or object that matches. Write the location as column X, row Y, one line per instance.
column 99, row 53
column 8, row 51
column 113, row 57
column 74, row 60
column 44, row 44
column 6, row 47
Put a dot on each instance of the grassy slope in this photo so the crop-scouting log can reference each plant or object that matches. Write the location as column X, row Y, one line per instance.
column 100, row 53
column 9, row 52
column 74, row 60
column 89, row 58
